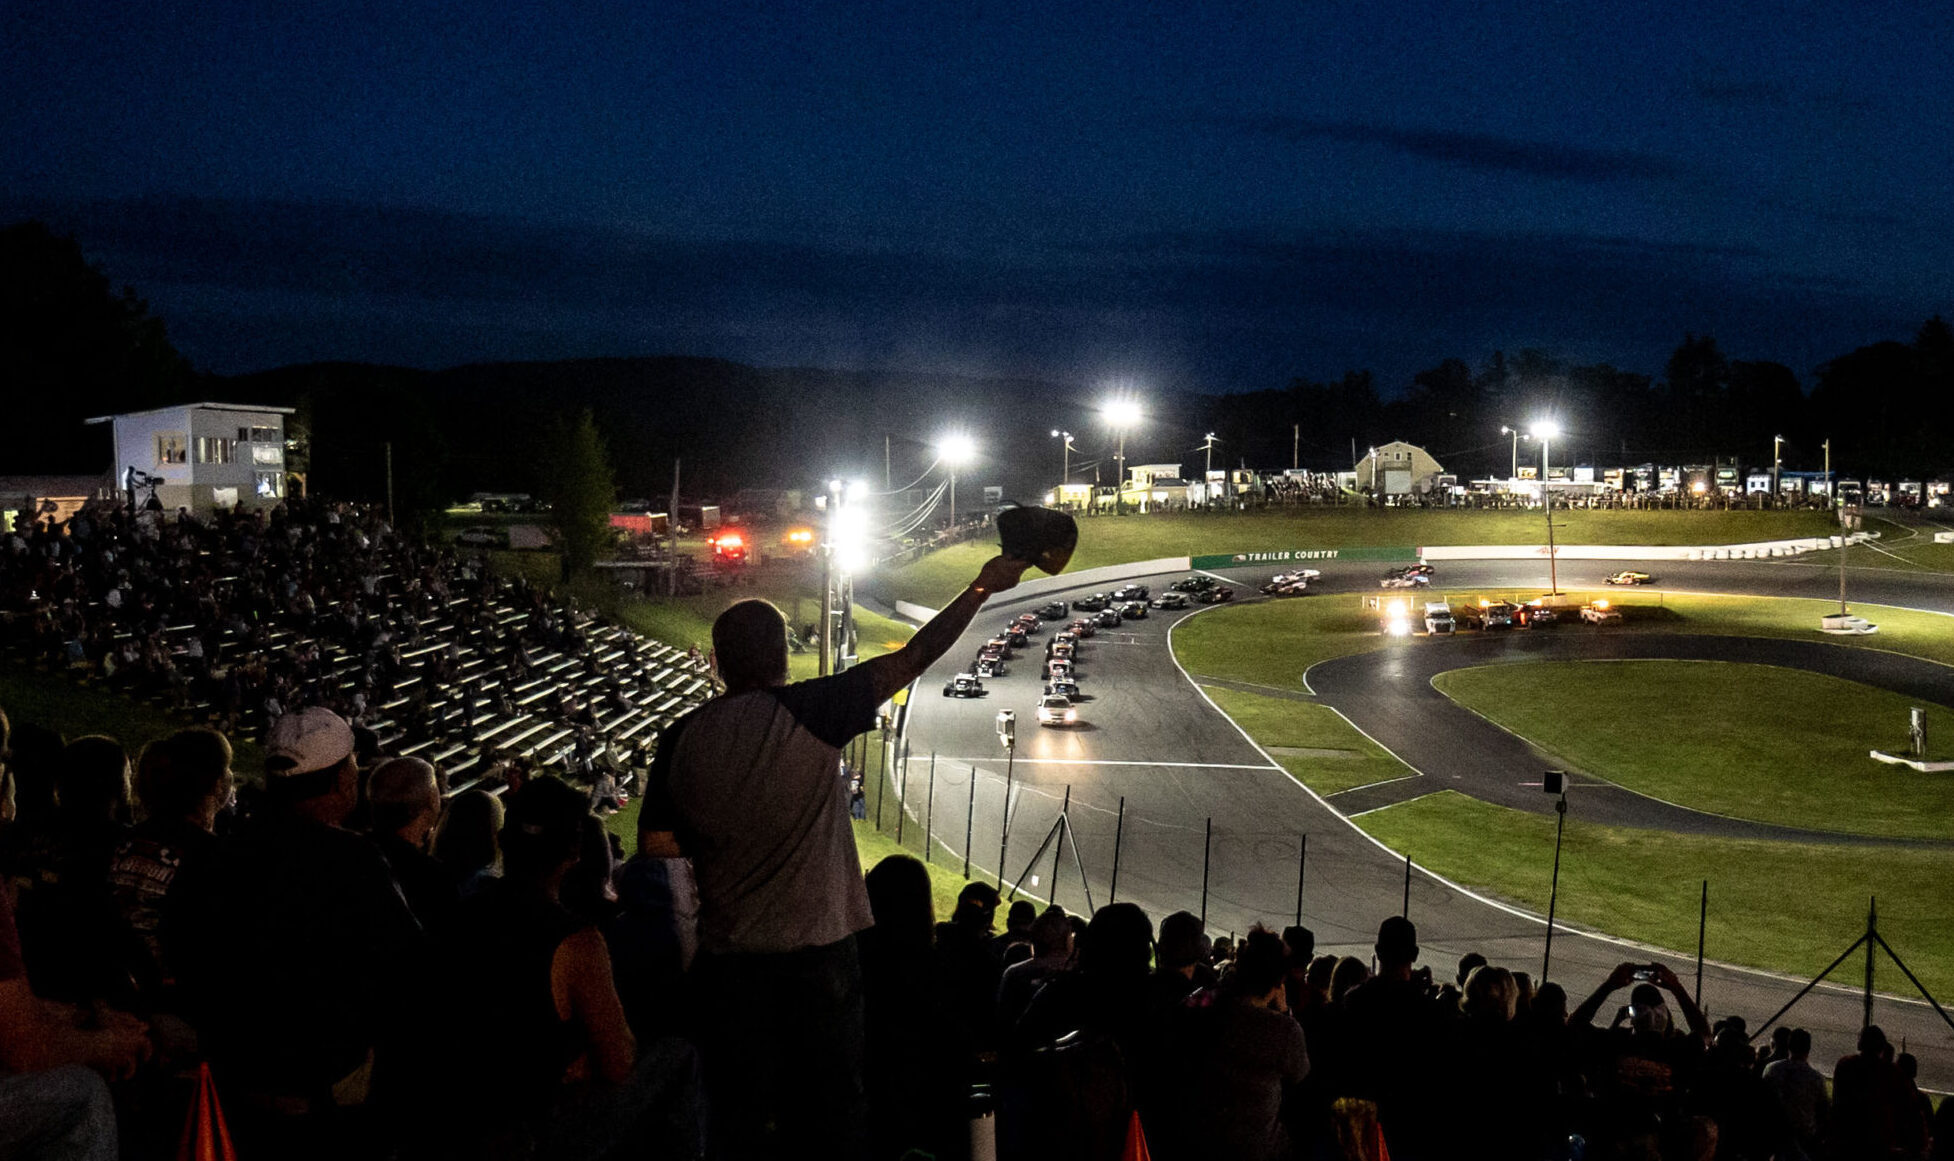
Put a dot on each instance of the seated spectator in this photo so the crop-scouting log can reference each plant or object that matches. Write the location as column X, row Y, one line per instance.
column 53, row 1102
column 1501, row 1097
column 405, row 796
column 966, row 969
column 73, row 939
column 293, row 949
column 1013, row 944
column 1051, row 945
column 1180, row 960
column 184, row 781
column 655, row 933
column 1873, row 1112
column 1081, row 1042
column 466, row 842
column 916, row 1060
column 1231, row 1061
column 540, row 1050
column 1299, row 948
column 1393, row 1036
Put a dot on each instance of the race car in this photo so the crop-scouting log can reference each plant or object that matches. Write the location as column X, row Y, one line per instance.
column 1065, row 688
column 1216, row 595
column 1130, row 593
column 1630, row 578
column 1194, row 583
column 1399, row 578
column 963, row 685
column 1052, row 612
column 1055, row 709
column 990, row 666
column 1082, row 627
column 1291, row 587
column 1169, row 601
column 1091, row 604
column 1295, row 574
column 1108, row 618
column 1134, row 610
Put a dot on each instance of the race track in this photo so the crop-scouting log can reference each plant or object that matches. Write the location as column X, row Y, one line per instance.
column 1151, row 738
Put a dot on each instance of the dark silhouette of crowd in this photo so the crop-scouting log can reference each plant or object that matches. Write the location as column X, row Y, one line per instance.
column 370, row 964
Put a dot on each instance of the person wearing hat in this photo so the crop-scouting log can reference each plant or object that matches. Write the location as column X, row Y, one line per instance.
column 749, row 784
column 292, row 944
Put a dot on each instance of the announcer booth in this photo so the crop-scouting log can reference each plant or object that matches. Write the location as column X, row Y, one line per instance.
column 200, row 456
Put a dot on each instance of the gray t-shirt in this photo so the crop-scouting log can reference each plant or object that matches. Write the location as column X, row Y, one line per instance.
column 751, row 784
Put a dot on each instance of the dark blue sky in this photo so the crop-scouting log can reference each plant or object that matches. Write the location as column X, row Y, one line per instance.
column 1206, row 196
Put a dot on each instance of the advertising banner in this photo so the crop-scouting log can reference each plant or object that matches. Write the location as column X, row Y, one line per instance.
column 1289, row 555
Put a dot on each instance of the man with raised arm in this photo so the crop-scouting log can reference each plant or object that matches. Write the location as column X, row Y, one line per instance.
column 750, row 783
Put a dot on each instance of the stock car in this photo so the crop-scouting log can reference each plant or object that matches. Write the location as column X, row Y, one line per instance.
column 1082, row 627
column 1030, row 622
column 1289, row 587
column 1130, row 593
column 1169, row 601
column 1055, row 709
column 963, row 685
column 1015, row 636
column 1215, row 595
column 1108, row 618
column 990, row 667
column 1092, row 604
column 1194, row 583
column 1296, row 574
column 1066, row 688
column 1404, row 578
column 1626, row 577
column 1134, row 610
column 1052, row 612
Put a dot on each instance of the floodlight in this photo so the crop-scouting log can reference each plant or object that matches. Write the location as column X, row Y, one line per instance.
column 956, row 449
column 857, row 490
column 1121, row 412
column 1545, row 429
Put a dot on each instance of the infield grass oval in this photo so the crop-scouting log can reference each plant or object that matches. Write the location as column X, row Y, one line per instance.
column 1759, row 742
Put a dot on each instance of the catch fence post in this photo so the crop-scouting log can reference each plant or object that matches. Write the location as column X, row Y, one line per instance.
column 1119, row 833
column 1872, row 938
column 969, row 817
column 1702, row 926
column 929, row 812
column 1065, row 822
column 1207, row 848
column 1302, row 863
column 1405, row 913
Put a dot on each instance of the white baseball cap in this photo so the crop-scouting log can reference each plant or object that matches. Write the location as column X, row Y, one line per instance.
column 314, row 738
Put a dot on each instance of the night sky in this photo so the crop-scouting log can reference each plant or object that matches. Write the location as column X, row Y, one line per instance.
column 1184, row 196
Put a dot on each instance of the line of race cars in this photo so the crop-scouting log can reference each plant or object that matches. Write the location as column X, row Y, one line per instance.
column 1058, row 703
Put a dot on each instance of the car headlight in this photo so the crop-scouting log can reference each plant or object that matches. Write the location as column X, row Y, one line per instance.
column 1071, row 715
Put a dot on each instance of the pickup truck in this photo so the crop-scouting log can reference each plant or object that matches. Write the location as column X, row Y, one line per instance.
column 1600, row 613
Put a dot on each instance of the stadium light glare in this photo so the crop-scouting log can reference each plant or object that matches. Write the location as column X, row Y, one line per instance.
column 1545, row 429
column 1121, row 412
column 956, row 449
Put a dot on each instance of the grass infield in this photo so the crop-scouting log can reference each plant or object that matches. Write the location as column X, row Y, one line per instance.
column 1751, row 741
column 1312, row 742
column 1783, row 907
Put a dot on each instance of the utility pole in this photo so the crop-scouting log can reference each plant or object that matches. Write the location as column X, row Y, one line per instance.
column 390, row 481
column 1831, row 493
column 1295, row 446
column 1777, row 444
column 1207, row 473
column 888, row 480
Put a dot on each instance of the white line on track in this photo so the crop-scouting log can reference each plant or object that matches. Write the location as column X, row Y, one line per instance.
column 1095, row 762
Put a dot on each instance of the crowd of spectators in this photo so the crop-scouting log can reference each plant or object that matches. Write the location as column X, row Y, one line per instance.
column 234, row 618
column 372, row 966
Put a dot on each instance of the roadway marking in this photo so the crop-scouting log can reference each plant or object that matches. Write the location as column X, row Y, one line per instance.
column 1092, row 762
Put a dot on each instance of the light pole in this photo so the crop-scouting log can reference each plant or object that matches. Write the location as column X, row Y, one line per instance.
column 1777, row 444
column 1207, row 473
column 1065, row 464
column 1554, row 782
column 1121, row 413
column 955, row 450
column 1515, row 433
column 1545, row 431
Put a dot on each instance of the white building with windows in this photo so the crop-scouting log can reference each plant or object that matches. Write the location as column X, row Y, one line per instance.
column 1398, row 469
column 201, row 456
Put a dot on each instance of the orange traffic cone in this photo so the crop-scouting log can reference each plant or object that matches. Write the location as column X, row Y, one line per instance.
column 205, row 1135
column 1136, row 1141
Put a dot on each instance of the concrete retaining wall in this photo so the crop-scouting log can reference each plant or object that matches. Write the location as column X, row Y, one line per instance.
column 1632, row 552
column 1108, row 576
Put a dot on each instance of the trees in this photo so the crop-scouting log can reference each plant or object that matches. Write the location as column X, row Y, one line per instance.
column 74, row 347
column 575, row 479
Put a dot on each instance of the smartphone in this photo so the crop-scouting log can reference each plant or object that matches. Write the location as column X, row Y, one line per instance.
column 1643, row 975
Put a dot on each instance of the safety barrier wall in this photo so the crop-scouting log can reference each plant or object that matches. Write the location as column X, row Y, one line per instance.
column 1083, row 579
column 1756, row 551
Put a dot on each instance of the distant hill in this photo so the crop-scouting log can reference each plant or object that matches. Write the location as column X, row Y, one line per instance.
column 733, row 425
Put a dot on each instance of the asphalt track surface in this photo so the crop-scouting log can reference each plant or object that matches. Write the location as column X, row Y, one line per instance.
column 1158, row 778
